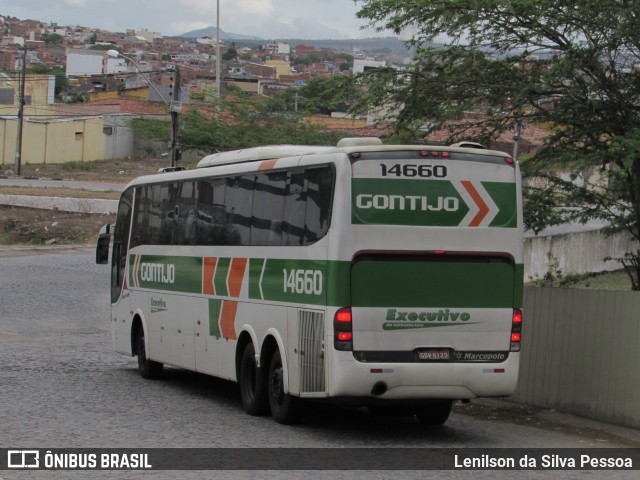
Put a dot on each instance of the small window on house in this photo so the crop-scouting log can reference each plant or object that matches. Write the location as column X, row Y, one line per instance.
column 107, row 130
column 27, row 99
column 79, row 135
column 6, row 96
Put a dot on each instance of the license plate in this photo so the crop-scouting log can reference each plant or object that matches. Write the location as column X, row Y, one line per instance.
column 432, row 354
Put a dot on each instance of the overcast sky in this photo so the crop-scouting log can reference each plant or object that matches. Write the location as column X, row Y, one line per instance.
column 269, row 19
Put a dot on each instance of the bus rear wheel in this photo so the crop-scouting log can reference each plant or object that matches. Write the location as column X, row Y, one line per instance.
column 434, row 413
column 285, row 408
column 147, row 368
column 253, row 389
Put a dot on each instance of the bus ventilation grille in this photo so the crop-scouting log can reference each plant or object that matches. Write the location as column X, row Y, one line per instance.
column 311, row 351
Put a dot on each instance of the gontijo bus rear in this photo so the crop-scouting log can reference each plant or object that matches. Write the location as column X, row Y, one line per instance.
column 387, row 276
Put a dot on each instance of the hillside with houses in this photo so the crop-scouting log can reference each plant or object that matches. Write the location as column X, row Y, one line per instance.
column 78, row 93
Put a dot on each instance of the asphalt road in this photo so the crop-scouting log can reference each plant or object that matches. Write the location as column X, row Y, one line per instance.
column 62, row 386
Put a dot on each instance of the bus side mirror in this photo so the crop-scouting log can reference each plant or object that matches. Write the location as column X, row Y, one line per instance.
column 102, row 248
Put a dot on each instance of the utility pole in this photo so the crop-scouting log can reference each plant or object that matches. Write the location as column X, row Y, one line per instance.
column 218, row 63
column 174, row 107
column 23, row 76
column 516, row 137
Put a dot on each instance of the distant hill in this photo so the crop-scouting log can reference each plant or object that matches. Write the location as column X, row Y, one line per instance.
column 211, row 32
column 381, row 44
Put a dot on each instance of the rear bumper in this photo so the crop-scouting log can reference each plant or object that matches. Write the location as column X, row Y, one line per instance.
column 421, row 381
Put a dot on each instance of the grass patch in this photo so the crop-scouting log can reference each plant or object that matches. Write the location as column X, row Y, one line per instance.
column 77, row 166
column 617, row 280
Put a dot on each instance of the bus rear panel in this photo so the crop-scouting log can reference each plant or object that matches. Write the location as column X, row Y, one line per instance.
column 435, row 279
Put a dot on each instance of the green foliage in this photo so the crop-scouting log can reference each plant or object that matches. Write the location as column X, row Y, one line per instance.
column 101, row 47
column 245, row 122
column 52, row 38
column 151, row 128
column 322, row 56
column 617, row 280
column 568, row 63
column 230, row 54
column 321, row 95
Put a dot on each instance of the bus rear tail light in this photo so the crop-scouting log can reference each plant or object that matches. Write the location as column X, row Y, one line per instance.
column 516, row 330
column 343, row 330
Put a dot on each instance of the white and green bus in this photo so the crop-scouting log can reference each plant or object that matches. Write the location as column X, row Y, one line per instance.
column 387, row 276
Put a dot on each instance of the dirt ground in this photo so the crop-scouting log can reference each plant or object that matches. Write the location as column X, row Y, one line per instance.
column 35, row 227
column 122, row 170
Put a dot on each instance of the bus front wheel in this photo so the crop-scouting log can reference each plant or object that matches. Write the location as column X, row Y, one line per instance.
column 434, row 413
column 253, row 389
column 285, row 408
column 147, row 368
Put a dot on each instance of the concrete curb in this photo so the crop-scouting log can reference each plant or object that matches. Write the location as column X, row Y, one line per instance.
column 64, row 204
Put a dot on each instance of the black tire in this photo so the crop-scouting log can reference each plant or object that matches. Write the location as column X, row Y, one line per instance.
column 285, row 408
column 434, row 413
column 253, row 385
column 147, row 368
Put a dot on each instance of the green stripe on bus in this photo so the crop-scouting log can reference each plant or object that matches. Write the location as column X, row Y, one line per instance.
column 434, row 284
column 255, row 271
column 518, row 293
column 312, row 282
column 168, row 273
column 503, row 194
column 406, row 202
column 429, row 202
column 220, row 277
column 336, row 283
column 215, row 306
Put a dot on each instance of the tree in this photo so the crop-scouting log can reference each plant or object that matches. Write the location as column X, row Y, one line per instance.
column 101, row 46
column 330, row 94
column 245, row 122
column 52, row 38
column 230, row 54
column 572, row 64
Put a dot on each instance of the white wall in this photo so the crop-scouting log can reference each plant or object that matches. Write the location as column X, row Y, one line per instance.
column 80, row 64
column 577, row 252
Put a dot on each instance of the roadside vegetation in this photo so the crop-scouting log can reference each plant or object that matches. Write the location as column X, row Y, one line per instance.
column 617, row 280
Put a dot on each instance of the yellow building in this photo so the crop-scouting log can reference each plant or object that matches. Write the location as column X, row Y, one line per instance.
column 61, row 140
column 39, row 94
column 282, row 67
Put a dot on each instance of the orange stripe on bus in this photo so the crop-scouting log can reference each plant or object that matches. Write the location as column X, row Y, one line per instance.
column 483, row 208
column 236, row 274
column 227, row 319
column 207, row 275
column 267, row 164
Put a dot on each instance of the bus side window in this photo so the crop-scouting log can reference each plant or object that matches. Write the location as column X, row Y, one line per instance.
column 268, row 209
column 238, row 202
column 319, row 195
column 140, row 232
column 295, row 206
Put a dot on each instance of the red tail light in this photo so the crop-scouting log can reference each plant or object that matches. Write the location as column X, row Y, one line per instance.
column 343, row 330
column 516, row 330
